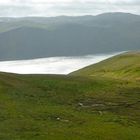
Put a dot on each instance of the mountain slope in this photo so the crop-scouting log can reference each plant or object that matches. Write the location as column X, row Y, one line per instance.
column 122, row 66
column 68, row 36
column 70, row 107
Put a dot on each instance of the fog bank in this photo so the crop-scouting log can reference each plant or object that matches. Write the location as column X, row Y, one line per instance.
column 52, row 65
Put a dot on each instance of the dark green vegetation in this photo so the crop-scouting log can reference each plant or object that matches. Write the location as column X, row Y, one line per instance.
column 57, row 107
column 68, row 36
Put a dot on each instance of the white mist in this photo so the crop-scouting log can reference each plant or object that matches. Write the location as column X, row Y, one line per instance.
column 52, row 65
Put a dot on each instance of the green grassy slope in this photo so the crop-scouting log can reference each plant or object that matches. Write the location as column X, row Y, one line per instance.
column 49, row 107
column 121, row 66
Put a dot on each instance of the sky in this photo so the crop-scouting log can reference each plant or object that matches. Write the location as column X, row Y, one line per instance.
column 23, row 8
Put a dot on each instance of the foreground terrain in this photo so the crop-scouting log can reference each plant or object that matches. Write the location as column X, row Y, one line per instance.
column 100, row 102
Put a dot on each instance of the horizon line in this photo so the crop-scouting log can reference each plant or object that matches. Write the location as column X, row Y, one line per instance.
column 63, row 15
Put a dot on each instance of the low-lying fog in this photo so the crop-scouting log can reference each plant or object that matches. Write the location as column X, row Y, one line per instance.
column 52, row 65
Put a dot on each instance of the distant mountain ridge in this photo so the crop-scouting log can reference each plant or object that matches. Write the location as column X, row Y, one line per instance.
column 34, row 37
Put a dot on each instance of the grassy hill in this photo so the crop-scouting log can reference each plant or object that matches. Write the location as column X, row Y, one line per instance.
column 40, row 107
column 125, row 66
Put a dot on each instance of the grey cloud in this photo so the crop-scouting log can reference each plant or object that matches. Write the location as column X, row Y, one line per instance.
column 94, row 8
column 15, row 10
column 32, row 8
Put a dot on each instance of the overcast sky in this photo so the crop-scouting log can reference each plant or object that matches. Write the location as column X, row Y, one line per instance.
column 20, row 8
